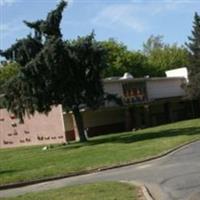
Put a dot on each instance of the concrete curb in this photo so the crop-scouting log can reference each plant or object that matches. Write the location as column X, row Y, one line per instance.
column 144, row 189
column 26, row 183
column 146, row 193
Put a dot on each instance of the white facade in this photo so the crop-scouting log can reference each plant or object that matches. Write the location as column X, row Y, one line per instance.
column 154, row 88
column 164, row 88
column 179, row 72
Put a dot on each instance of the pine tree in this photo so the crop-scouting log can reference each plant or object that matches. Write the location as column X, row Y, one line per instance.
column 55, row 71
column 193, row 88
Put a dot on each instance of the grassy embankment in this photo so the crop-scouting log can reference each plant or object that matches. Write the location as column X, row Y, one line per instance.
column 31, row 163
column 98, row 191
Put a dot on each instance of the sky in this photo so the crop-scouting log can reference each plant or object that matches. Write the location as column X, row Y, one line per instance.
column 128, row 21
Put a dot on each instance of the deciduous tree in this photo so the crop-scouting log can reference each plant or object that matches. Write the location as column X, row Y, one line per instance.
column 121, row 60
column 162, row 57
column 7, row 71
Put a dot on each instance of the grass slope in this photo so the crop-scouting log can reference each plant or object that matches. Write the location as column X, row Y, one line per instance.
column 31, row 163
column 98, row 191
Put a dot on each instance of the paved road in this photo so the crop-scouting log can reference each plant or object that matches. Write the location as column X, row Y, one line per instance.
column 174, row 177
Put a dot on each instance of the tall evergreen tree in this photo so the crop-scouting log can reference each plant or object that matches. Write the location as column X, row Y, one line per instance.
column 193, row 88
column 55, row 71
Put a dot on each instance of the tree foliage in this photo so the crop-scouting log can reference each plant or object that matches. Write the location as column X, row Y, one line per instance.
column 152, row 43
column 154, row 60
column 115, row 51
column 55, row 71
column 193, row 88
column 162, row 57
column 7, row 71
column 121, row 60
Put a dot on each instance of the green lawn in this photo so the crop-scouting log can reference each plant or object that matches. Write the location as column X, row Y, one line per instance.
column 98, row 191
column 31, row 163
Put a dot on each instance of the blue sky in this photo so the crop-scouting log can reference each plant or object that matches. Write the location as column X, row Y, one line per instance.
column 129, row 21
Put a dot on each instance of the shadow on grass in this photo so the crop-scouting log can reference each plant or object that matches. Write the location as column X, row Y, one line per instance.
column 7, row 171
column 131, row 137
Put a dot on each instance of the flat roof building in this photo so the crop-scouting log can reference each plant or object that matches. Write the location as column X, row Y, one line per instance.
column 145, row 102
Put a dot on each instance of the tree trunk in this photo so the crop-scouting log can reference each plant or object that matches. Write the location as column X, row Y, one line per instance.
column 79, row 125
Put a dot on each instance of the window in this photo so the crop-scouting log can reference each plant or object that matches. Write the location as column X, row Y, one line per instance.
column 133, row 93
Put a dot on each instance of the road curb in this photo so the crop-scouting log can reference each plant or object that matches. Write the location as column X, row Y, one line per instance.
column 33, row 182
column 146, row 193
column 144, row 189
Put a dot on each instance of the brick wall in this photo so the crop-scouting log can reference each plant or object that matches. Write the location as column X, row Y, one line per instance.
column 37, row 130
